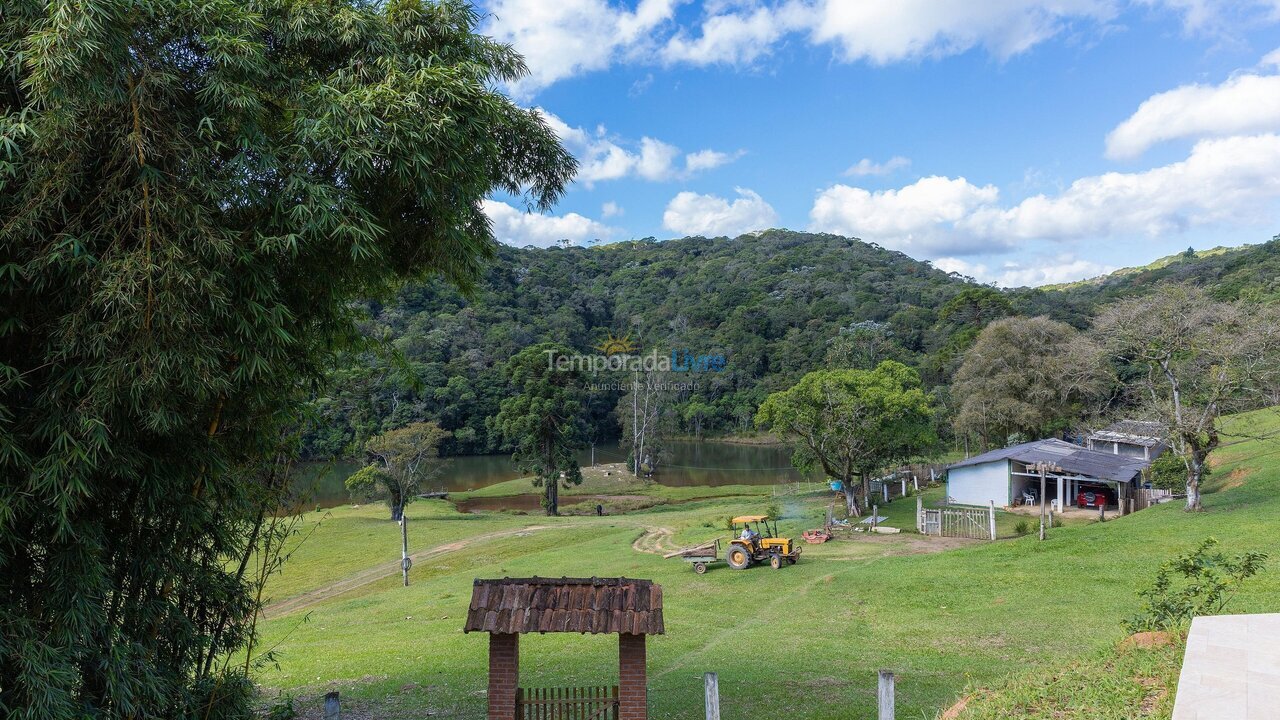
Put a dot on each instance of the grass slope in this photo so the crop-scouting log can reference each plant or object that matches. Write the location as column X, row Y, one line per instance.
column 803, row 642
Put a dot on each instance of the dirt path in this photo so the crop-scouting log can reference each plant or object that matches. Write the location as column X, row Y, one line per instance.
column 655, row 541
column 374, row 574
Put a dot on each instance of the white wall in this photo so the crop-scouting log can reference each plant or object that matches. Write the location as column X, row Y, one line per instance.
column 980, row 484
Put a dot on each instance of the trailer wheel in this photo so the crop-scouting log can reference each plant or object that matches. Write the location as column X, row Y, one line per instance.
column 792, row 561
column 775, row 562
column 700, row 568
column 738, row 558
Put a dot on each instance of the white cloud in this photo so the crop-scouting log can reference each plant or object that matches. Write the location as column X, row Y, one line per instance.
column 1243, row 104
column 734, row 38
column 569, row 37
column 708, row 160
column 689, row 213
column 1033, row 272
column 611, row 209
column 920, row 218
column 867, row 166
column 603, row 157
column 566, row 38
column 516, row 227
column 884, row 32
column 1271, row 59
column 1227, row 180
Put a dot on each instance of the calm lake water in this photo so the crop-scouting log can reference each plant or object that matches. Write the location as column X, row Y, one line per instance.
column 691, row 464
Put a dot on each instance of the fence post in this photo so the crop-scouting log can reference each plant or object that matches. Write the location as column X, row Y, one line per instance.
column 875, row 514
column 713, row 695
column 884, row 695
column 884, row 490
column 919, row 514
column 992, row 517
column 331, row 709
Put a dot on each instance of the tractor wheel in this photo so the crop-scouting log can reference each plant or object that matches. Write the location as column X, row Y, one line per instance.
column 792, row 561
column 700, row 568
column 775, row 562
column 738, row 558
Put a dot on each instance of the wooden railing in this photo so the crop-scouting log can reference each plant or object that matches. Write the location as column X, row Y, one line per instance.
column 580, row 703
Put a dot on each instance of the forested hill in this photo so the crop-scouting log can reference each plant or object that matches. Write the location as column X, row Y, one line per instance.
column 776, row 304
column 1249, row 272
column 772, row 303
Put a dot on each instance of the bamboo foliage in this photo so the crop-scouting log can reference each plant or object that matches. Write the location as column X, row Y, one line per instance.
column 191, row 194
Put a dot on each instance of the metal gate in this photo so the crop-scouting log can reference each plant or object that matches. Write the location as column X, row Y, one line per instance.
column 571, row 703
column 974, row 523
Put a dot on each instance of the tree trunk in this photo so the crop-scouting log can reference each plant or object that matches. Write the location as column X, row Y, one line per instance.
column 850, row 498
column 1195, row 474
column 553, row 496
column 865, row 483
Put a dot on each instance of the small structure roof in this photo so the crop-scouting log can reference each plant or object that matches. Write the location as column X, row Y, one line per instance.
column 1071, row 458
column 1148, row 433
column 581, row 605
column 749, row 518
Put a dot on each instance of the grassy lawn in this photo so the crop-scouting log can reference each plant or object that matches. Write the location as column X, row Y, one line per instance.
column 951, row 618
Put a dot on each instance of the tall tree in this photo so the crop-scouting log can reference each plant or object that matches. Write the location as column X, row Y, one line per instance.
column 1029, row 376
column 191, row 195
column 1197, row 360
column 646, row 413
column 542, row 422
column 401, row 461
column 851, row 423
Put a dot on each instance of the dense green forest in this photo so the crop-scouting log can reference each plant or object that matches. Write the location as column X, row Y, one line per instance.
column 775, row 304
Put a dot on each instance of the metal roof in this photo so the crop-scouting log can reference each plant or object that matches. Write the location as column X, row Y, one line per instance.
column 581, row 605
column 1071, row 458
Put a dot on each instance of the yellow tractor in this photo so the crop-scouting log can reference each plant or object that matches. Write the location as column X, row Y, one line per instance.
column 755, row 540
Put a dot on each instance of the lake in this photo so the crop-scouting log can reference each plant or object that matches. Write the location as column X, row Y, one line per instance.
column 691, row 464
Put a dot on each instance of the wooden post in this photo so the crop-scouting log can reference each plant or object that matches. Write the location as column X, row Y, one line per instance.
column 992, row 517
column 405, row 562
column 875, row 515
column 884, row 490
column 332, row 711
column 712, row 683
column 1102, row 510
column 915, row 481
column 884, row 696
column 919, row 514
column 904, row 487
column 1042, row 474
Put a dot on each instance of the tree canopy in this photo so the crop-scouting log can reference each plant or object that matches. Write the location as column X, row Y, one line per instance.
column 851, row 423
column 191, row 195
column 543, row 421
column 1027, row 376
column 1196, row 359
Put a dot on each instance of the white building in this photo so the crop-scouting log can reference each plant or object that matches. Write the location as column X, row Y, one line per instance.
column 1075, row 476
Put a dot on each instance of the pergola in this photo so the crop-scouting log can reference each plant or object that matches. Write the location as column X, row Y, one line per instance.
column 508, row 608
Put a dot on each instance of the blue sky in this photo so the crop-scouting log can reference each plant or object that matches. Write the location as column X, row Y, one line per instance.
column 1018, row 141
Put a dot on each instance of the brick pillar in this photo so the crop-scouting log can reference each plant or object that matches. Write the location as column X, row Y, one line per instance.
column 504, row 675
column 633, row 682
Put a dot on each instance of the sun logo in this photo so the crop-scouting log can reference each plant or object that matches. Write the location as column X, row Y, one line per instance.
column 616, row 345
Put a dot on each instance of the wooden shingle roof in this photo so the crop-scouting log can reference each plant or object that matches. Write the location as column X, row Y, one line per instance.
column 581, row 605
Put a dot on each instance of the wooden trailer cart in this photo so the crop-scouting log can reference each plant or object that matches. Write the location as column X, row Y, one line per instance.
column 700, row 557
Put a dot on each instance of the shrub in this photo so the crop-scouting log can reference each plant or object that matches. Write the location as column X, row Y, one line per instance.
column 1022, row 528
column 1209, row 579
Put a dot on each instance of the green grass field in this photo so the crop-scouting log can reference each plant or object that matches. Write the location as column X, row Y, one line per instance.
column 1014, row 624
